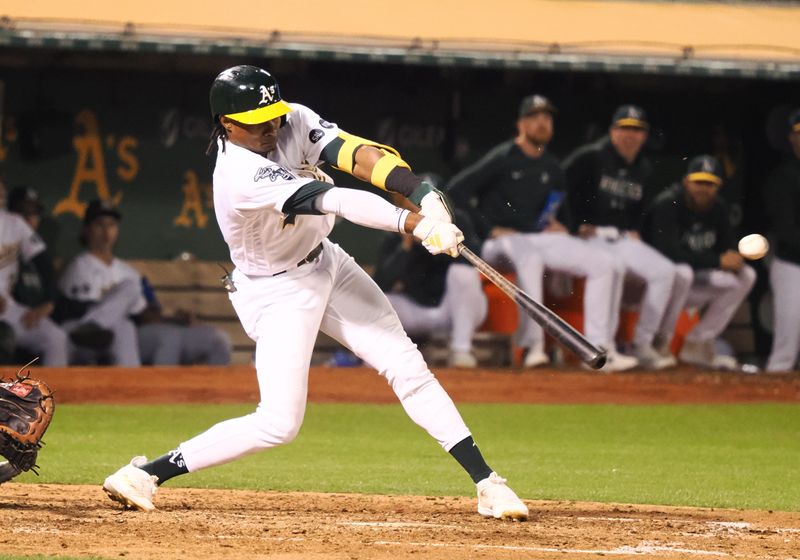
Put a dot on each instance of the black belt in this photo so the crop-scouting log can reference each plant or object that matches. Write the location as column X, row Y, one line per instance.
column 312, row 256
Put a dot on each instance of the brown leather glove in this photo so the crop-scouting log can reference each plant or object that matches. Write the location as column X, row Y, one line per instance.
column 26, row 408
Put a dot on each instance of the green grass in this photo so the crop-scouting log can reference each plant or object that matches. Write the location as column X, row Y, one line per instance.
column 740, row 456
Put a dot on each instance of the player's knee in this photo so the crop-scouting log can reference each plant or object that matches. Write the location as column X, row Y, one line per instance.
column 661, row 271
column 684, row 275
column 599, row 263
column 406, row 383
column 278, row 428
column 748, row 276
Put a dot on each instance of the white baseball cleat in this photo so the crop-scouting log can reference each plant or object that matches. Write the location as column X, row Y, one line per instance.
column 132, row 487
column 703, row 354
column 650, row 358
column 462, row 359
column 618, row 362
column 496, row 499
column 535, row 358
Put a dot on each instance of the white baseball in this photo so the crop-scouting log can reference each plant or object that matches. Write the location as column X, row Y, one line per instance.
column 753, row 246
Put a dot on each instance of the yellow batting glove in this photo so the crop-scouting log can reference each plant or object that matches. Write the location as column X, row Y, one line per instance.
column 439, row 237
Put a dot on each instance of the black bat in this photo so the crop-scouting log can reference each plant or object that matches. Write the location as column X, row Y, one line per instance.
column 552, row 324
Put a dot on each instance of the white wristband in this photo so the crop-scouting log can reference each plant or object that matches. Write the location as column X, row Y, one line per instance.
column 401, row 220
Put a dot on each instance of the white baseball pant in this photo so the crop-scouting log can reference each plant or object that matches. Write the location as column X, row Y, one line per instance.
column 657, row 272
column 112, row 313
column 722, row 292
column 530, row 253
column 168, row 344
column 462, row 310
column 282, row 314
column 784, row 278
column 46, row 338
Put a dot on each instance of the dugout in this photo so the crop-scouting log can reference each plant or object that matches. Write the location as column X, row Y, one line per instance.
column 115, row 104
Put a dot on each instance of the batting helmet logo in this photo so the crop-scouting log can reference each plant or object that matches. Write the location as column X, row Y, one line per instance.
column 267, row 94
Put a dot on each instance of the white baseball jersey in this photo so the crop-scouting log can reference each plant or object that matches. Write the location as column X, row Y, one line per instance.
column 250, row 191
column 89, row 279
column 16, row 238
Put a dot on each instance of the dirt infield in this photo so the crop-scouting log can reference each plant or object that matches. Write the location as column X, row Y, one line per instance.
column 238, row 384
column 80, row 521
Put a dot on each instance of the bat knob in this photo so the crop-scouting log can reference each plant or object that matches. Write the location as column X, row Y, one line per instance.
column 598, row 360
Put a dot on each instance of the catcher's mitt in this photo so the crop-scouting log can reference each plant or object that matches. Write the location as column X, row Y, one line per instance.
column 26, row 408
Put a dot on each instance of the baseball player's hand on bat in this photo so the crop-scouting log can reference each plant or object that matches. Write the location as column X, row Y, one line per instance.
column 431, row 202
column 438, row 237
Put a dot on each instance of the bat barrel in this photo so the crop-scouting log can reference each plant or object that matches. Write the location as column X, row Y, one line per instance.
column 552, row 324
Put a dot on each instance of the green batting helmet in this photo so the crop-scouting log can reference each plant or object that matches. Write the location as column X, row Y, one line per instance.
column 247, row 94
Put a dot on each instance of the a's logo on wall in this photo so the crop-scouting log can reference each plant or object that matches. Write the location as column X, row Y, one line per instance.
column 273, row 173
column 267, row 94
column 198, row 198
column 315, row 135
column 94, row 149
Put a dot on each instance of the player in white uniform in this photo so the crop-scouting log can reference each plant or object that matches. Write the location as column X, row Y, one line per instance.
column 33, row 328
column 100, row 293
column 290, row 282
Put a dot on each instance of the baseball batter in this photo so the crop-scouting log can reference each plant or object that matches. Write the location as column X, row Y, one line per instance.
column 691, row 226
column 608, row 193
column 782, row 194
column 513, row 195
column 290, row 281
column 32, row 326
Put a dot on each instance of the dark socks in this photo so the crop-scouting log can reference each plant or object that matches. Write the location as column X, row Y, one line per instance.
column 167, row 466
column 469, row 456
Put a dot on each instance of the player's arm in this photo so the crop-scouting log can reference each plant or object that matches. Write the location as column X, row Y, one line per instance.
column 382, row 166
column 370, row 210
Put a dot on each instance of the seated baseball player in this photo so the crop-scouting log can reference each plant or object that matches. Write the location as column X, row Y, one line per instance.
column 99, row 293
column 691, row 226
column 433, row 295
column 33, row 329
column 515, row 197
column 609, row 190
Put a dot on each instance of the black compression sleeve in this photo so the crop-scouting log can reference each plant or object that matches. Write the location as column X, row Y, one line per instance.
column 402, row 180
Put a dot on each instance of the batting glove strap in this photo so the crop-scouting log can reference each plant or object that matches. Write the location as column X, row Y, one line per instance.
column 432, row 202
